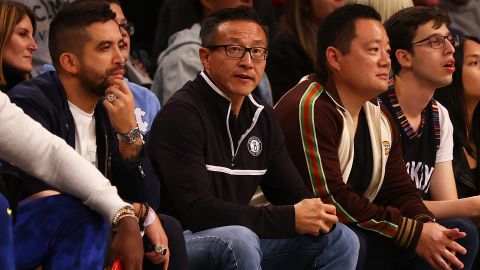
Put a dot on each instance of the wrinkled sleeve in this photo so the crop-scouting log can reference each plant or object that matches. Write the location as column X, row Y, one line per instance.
column 32, row 148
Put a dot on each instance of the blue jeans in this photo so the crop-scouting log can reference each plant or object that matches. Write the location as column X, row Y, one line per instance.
column 470, row 242
column 237, row 247
column 59, row 232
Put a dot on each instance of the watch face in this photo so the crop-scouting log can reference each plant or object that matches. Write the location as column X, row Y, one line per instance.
column 132, row 136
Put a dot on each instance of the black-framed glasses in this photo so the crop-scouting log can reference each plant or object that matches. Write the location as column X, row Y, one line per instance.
column 438, row 41
column 129, row 27
column 238, row 51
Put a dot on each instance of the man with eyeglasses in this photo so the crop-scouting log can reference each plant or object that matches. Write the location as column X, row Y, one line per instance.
column 179, row 62
column 422, row 61
column 348, row 150
column 213, row 144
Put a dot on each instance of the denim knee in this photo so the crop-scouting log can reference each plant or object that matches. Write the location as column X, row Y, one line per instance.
column 345, row 244
column 347, row 239
column 228, row 247
column 241, row 241
column 243, row 236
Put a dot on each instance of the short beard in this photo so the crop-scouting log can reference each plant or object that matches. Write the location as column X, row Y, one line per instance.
column 96, row 84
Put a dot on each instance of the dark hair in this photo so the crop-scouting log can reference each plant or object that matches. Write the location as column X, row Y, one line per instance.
column 209, row 27
column 453, row 98
column 67, row 29
column 338, row 30
column 402, row 26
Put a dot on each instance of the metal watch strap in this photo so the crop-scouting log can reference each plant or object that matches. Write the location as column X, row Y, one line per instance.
column 132, row 136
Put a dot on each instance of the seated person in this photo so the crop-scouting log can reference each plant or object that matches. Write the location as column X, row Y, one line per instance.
column 422, row 61
column 49, row 158
column 85, row 44
column 221, row 144
column 461, row 98
column 348, row 149
column 146, row 103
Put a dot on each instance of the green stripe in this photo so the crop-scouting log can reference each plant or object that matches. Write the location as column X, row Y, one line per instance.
column 309, row 127
column 313, row 159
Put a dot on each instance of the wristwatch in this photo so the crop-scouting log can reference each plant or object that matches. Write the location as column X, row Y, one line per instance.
column 132, row 136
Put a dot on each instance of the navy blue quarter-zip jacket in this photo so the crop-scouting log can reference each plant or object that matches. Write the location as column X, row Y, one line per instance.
column 210, row 162
column 43, row 98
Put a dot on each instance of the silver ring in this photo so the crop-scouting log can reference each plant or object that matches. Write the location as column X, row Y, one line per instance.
column 111, row 97
column 160, row 250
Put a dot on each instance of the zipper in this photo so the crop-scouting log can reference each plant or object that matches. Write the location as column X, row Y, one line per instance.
column 254, row 122
column 107, row 158
column 140, row 168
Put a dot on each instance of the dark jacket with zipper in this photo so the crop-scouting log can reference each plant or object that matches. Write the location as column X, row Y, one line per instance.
column 210, row 162
column 43, row 98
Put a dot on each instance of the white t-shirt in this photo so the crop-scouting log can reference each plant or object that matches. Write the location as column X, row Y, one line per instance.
column 85, row 137
column 445, row 151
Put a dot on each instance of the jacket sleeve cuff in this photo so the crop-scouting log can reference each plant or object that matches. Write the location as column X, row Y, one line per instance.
column 424, row 218
column 409, row 233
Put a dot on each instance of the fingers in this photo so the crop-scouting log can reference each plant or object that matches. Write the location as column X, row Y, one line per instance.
column 324, row 228
column 456, row 247
column 120, row 84
column 329, row 218
column 454, row 233
column 439, row 263
column 116, row 90
column 331, row 209
column 452, row 259
column 166, row 262
column 156, row 258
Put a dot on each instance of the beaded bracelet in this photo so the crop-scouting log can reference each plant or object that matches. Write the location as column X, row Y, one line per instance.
column 145, row 214
column 126, row 211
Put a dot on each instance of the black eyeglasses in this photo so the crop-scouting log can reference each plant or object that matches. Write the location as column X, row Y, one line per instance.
column 128, row 27
column 438, row 41
column 238, row 52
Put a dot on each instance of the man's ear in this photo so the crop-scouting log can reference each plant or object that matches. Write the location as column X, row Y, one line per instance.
column 404, row 58
column 69, row 62
column 333, row 57
column 204, row 54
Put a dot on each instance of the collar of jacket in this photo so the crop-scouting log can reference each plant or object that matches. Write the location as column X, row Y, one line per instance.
column 331, row 89
column 58, row 97
column 248, row 103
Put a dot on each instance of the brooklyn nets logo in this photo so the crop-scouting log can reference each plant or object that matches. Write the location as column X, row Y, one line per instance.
column 254, row 146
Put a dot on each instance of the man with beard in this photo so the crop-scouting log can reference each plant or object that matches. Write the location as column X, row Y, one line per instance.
column 85, row 44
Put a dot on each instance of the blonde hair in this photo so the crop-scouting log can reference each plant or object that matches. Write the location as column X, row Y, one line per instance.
column 11, row 13
column 386, row 8
column 297, row 22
